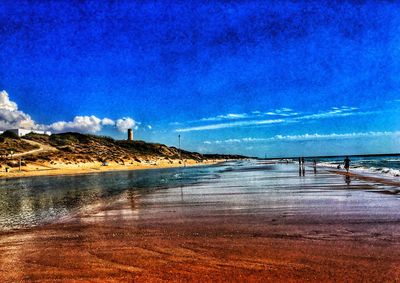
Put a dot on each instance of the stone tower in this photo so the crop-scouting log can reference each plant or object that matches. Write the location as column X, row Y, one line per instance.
column 130, row 135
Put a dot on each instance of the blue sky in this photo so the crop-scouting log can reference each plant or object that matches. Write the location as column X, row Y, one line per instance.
column 281, row 78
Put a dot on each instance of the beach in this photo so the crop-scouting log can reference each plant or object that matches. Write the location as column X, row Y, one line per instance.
column 33, row 170
column 244, row 221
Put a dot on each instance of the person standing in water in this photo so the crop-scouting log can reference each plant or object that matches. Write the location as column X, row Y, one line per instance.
column 300, row 166
column 347, row 164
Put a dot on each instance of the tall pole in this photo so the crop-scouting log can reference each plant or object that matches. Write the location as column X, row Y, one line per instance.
column 179, row 147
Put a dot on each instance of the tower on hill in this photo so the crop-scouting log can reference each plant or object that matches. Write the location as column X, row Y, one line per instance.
column 130, row 135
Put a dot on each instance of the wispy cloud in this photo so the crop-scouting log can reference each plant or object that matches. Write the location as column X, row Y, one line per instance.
column 307, row 137
column 231, row 116
column 284, row 112
column 333, row 112
column 281, row 115
column 231, row 125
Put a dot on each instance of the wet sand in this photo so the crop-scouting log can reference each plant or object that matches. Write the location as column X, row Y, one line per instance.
column 249, row 223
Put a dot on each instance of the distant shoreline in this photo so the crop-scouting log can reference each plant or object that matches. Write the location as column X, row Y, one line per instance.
column 75, row 153
column 100, row 169
column 334, row 156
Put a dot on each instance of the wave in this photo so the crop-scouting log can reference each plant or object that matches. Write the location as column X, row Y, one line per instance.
column 364, row 170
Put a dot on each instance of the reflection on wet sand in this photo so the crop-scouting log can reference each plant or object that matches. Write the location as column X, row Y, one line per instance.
column 347, row 180
column 29, row 202
column 261, row 224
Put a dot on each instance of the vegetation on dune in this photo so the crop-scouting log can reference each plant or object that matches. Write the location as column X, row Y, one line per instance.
column 71, row 148
column 10, row 135
column 11, row 143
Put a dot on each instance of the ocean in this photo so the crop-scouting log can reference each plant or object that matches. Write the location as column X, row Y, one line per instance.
column 382, row 166
column 34, row 201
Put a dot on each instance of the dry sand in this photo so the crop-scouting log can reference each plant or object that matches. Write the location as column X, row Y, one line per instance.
column 278, row 228
column 95, row 167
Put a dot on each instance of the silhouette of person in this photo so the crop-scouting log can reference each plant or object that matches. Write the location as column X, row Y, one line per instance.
column 347, row 164
column 300, row 167
column 315, row 166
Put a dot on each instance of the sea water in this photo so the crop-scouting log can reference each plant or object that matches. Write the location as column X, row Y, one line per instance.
column 242, row 185
column 32, row 201
column 381, row 166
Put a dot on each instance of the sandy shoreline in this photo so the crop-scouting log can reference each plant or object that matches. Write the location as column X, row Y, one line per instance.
column 88, row 168
column 256, row 224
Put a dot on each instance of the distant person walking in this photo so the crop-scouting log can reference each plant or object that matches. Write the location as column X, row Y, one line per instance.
column 300, row 169
column 315, row 166
column 347, row 164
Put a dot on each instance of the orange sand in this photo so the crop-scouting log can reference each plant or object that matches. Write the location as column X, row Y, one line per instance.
column 95, row 167
column 201, row 235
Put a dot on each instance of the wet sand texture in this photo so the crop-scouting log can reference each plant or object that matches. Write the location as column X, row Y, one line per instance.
column 244, row 225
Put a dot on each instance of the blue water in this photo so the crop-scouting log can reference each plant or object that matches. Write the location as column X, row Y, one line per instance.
column 385, row 165
column 28, row 202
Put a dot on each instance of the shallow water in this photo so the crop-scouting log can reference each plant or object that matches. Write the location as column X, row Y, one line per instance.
column 29, row 202
column 379, row 166
column 240, row 221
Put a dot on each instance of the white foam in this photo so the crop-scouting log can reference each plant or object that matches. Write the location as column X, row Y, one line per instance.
column 383, row 172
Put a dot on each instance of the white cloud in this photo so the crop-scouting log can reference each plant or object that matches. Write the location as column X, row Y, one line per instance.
column 107, row 122
column 334, row 136
column 126, row 123
column 11, row 117
column 342, row 111
column 92, row 124
column 230, row 116
column 84, row 124
column 6, row 103
column 149, row 127
column 284, row 112
column 230, row 125
column 285, row 115
column 306, row 137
